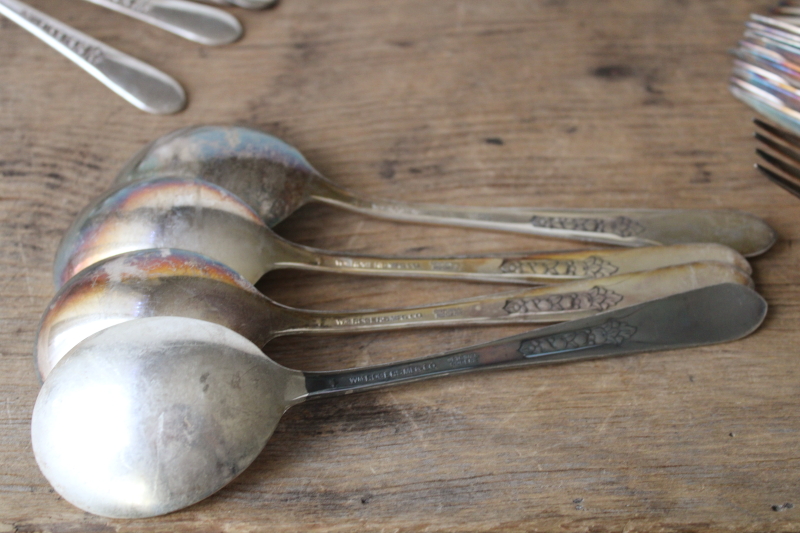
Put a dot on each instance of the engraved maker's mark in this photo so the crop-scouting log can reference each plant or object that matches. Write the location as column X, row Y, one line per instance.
column 89, row 52
column 370, row 264
column 597, row 298
column 591, row 267
column 612, row 331
column 452, row 362
column 622, row 226
column 390, row 374
column 368, row 320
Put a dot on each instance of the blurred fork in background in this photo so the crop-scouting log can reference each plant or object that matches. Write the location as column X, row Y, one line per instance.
column 766, row 71
column 779, row 150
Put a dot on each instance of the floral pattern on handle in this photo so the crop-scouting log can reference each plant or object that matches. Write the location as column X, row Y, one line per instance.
column 591, row 267
column 612, row 331
column 622, row 226
column 598, row 298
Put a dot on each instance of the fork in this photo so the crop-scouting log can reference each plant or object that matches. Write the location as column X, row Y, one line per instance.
column 781, row 151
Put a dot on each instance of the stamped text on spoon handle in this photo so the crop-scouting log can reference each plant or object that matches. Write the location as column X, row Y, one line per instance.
column 368, row 320
column 89, row 52
column 449, row 363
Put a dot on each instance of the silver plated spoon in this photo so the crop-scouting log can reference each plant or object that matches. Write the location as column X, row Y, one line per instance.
column 140, row 84
column 200, row 217
column 202, row 24
column 178, row 283
column 153, row 415
column 276, row 180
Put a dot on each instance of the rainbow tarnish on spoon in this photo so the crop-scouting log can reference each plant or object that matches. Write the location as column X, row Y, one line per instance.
column 179, row 283
column 200, row 217
column 275, row 180
column 153, row 415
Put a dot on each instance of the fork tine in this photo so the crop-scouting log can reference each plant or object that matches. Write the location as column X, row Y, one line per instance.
column 789, row 166
column 783, row 135
column 780, row 149
column 780, row 164
column 780, row 180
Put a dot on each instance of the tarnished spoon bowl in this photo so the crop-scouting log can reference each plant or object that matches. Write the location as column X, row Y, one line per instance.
column 275, row 180
column 198, row 216
column 153, row 415
column 179, row 283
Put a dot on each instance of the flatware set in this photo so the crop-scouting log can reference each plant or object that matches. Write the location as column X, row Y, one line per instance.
column 156, row 389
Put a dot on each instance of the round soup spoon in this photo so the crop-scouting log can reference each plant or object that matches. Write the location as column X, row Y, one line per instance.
column 178, row 283
column 153, row 415
column 201, row 217
column 276, row 180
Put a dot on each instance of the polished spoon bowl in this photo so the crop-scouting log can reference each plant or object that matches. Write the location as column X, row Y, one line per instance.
column 197, row 216
column 276, row 180
column 179, row 283
column 153, row 415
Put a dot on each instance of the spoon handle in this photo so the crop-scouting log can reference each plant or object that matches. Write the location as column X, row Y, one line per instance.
column 553, row 303
column 745, row 233
column 195, row 22
column 551, row 267
column 137, row 82
column 709, row 315
column 247, row 4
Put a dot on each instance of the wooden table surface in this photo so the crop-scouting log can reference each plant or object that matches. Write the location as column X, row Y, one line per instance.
column 500, row 103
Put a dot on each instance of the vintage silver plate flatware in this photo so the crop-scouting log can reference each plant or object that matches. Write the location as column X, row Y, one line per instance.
column 200, row 217
column 179, row 283
column 153, row 415
column 275, row 179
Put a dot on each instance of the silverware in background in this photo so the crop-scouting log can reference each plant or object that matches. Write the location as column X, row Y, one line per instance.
column 195, row 22
column 779, row 152
column 142, row 85
column 766, row 76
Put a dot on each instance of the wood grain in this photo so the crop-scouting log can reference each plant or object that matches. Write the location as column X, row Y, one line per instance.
column 501, row 103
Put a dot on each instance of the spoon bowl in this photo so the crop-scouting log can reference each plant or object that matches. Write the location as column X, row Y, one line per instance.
column 153, row 415
column 179, row 283
column 180, row 426
column 200, row 217
column 275, row 180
